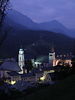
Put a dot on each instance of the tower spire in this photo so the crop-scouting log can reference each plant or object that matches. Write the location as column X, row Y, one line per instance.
column 52, row 47
column 52, row 56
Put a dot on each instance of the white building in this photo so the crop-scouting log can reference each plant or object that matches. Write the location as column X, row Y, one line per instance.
column 9, row 66
column 52, row 57
column 21, row 60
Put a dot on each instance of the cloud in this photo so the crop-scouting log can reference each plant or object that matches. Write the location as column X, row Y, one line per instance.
column 46, row 10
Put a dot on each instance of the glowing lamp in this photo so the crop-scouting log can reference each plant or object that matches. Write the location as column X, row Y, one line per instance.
column 13, row 82
column 42, row 78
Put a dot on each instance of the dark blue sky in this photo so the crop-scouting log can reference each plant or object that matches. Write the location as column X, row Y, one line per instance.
column 47, row 10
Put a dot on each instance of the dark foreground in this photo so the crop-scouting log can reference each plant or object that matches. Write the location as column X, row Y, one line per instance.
column 64, row 90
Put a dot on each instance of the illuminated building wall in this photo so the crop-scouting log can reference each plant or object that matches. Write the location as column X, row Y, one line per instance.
column 55, row 61
column 52, row 59
column 62, row 62
column 21, row 59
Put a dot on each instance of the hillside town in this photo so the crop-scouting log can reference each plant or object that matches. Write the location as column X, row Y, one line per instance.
column 37, row 50
column 28, row 72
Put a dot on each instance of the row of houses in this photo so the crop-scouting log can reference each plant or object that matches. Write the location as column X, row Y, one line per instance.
column 9, row 71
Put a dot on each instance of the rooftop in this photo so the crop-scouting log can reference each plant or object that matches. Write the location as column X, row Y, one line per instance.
column 10, row 65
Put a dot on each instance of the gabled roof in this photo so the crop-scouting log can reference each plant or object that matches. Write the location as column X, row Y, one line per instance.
column 10, row 65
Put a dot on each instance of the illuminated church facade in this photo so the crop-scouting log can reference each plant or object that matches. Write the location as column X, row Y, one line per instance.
column 59, row 59
column 52, row 60
column 13, row 71
column 21, row 59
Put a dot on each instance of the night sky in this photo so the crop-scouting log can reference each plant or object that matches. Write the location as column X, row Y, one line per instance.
column 47, row 10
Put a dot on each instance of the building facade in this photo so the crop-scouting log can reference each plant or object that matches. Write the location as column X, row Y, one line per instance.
column 21, row 60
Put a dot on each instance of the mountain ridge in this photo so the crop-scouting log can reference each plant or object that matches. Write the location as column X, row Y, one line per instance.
column 54, row 25
column 33, row 39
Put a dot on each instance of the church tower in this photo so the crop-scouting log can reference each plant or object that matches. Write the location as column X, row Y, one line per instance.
column 52, row 57
column 21, row 59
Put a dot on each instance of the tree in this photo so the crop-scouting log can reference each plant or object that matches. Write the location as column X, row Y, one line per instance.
column 3, row 8
column 28, row 65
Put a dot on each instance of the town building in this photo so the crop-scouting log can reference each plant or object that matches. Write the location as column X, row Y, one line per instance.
column 43, row 68
column 21, row 60
column 7, row 68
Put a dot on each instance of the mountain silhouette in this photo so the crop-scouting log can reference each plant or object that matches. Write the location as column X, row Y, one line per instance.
column 36, row 39
column 24, row 21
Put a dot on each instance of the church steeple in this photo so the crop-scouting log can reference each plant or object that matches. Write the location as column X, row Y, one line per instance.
column 52, row 50
column 21, row 59
column 52, row 57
